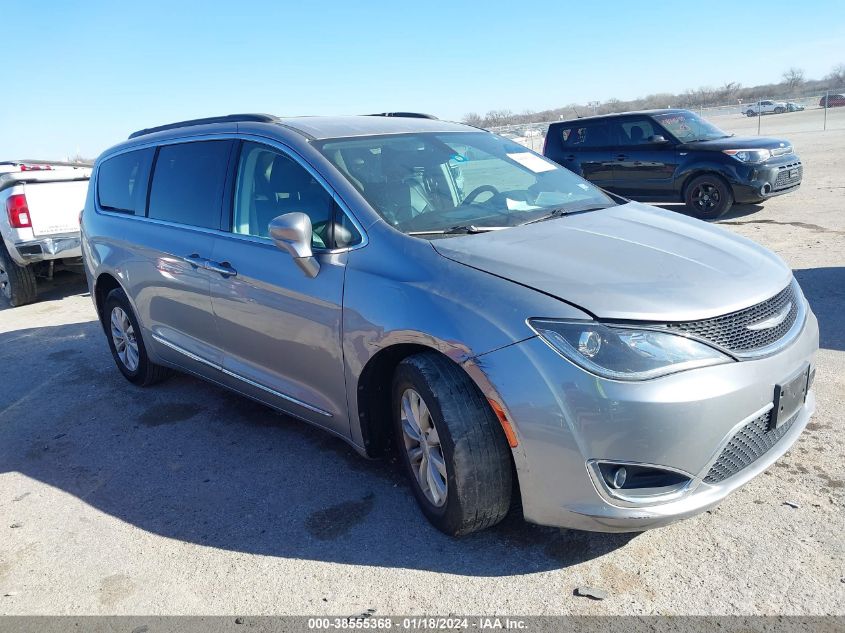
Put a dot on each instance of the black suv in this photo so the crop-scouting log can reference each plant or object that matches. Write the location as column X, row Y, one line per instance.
column 674, row 155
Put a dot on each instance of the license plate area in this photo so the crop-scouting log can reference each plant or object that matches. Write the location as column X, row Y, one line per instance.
column 789, row 397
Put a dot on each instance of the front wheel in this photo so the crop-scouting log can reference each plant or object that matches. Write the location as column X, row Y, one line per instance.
column 708, row 197
column 451, row 444
column 17, row 283
column 779, row 110
column 750, row 113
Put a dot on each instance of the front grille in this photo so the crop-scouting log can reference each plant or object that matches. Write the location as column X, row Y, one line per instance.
column 747, row 446
column 731, row 332
column 788, row 176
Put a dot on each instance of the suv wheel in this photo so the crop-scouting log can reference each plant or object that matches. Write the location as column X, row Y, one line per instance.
column 708, row 197
column 454, row 451
column 779, row 110
column 126, row 344
column 17, row 283
column 750, row 112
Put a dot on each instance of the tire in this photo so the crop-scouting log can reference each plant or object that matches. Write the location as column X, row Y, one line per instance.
column 136, row 367
column 750, row 113
column 779, row 110
column 475, row 455
column 708, row 197
column 17, row 283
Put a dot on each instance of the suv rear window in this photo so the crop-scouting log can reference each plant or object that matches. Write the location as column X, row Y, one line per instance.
column 188, row 183
column 122, row 181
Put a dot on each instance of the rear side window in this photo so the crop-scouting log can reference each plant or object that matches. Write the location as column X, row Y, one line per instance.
column 122, row 181
column 188, row 181
column 583, row 136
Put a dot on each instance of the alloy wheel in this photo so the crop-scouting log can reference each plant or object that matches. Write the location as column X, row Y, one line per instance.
column 422, row 444
column 123, row 337
column 706, row 197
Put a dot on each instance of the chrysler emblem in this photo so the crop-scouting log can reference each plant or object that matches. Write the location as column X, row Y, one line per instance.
column 772, row 321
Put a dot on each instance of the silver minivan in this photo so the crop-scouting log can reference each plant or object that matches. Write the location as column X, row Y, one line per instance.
column 518, row 335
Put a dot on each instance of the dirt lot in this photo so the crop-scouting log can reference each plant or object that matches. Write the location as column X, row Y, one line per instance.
column 186, row 499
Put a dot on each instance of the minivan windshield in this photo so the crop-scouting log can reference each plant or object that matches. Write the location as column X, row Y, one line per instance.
column 458, row 182
column 688, row 127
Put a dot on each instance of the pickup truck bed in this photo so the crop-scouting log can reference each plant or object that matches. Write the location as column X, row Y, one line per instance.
column 39, row 224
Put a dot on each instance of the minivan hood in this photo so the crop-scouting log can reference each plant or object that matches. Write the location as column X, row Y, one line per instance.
column 736, row 142
column 632, row 262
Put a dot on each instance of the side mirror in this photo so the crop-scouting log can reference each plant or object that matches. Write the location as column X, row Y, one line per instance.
column 658, row 139
column 292, row 233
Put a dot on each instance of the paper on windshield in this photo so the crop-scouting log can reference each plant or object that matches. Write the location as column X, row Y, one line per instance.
column 532, row 161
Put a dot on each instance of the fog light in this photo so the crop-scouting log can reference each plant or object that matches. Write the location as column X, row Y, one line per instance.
column 589, row 343
column 618, row 478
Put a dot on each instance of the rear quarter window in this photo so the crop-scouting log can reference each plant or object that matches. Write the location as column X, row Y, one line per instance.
column 188, row 181
column 122, row 181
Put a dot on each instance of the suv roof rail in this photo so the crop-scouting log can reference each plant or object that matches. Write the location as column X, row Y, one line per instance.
column 226, row 118
column 407, row 115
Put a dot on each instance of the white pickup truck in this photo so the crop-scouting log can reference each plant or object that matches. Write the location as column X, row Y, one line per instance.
column 40, row 227
column 765, row 107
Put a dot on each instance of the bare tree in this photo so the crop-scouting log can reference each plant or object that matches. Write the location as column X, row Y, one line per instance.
column 473, row 118
column 837, row 75
column 793, row 78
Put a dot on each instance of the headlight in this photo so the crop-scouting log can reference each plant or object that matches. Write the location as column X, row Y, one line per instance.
column 749, row 155
column 623, row 353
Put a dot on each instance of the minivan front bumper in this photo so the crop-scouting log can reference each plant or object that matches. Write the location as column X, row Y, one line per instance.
column 566, row 420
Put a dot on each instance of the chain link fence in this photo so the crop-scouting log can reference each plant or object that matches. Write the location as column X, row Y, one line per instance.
column 805, row 113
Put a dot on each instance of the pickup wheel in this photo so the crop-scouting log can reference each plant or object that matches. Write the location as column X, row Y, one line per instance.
column 126, row 343
column 451, row 444
column 17, row 283
column 708, row 197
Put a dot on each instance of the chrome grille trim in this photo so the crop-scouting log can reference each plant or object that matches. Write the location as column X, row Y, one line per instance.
column 730, row 332
column 749, row 444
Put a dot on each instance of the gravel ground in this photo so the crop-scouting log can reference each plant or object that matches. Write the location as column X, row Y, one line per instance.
column 186, row 499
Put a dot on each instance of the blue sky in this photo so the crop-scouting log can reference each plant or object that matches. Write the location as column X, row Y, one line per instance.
column 81, row 75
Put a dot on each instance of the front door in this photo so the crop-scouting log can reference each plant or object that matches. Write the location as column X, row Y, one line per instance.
column 644, row 168
column 279, row 329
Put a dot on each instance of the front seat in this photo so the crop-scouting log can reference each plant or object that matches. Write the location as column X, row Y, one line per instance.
column 637, row 135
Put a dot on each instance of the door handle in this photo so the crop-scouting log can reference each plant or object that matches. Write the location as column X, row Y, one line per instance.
column 221, row 268
column 194, row 260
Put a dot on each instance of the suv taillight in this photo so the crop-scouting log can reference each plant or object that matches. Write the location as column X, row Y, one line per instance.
column 18, row 211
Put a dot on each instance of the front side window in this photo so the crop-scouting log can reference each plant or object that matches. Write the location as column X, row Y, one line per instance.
column 637, row 132
column 188, row 181
column 122, row 181
column 270, row 184
column 441, row 181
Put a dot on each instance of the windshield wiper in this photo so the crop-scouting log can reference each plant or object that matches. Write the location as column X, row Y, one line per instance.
column 562, row 211
column 460, row 229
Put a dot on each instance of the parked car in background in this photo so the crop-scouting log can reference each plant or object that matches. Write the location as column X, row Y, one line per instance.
column 40, row 226
column 674, row 156
column 832, row 101
column 765, row 107
column 791, row 106
column 520, row 332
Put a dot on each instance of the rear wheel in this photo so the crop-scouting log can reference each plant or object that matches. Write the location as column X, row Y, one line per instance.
column 450, row 442
column 17, row 283
column 708, row 197
column 126, row 344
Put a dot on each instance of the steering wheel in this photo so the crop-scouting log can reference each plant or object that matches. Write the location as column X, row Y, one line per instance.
column 477, row 192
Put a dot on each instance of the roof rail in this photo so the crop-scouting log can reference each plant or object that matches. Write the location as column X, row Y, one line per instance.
column 227, row 118
column 407, row 115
